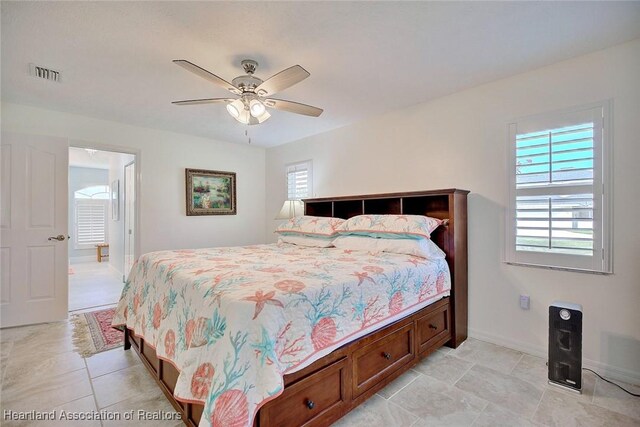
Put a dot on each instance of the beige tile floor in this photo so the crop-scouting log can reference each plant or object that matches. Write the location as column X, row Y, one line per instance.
column 478, row 384
column 93, row 284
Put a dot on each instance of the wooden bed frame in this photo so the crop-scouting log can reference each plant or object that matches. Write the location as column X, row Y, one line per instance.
column 326, row 390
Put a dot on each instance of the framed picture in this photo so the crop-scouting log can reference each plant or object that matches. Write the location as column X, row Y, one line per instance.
column 115, row 200
column 210, row 192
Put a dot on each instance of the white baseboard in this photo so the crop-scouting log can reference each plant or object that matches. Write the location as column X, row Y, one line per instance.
column 607, row 371
column 117, row 272
column 78, row 259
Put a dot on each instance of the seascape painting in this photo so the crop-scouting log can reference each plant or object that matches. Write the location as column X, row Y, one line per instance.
column 210, row 192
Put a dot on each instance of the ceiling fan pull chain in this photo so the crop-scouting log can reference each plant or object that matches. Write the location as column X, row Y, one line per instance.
column 246, row 133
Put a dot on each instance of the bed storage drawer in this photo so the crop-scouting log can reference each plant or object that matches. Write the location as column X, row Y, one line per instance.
column 376, row 361
column 312, row 401
column 433, row 327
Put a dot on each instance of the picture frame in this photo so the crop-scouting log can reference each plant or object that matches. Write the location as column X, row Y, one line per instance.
column 115, row 200
column 210, row 192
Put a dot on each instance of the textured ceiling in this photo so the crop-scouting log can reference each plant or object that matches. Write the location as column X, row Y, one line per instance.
column 365, row 58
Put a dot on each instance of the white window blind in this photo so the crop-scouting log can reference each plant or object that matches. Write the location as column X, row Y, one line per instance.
column 299, row 180
column 558, row 212
column 90, row 222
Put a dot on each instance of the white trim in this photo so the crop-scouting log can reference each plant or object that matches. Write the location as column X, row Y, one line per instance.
column 138, row 160
column 601, row 261
column 118, row 272
column 608, row 371
column 136, row 207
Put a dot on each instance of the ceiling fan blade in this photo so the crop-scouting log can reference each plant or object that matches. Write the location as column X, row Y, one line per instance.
column 189, row 66
column 282, row 80
column 293, row 107
column 203, row 101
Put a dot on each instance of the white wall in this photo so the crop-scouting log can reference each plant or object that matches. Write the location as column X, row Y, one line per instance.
column 162, row 162
column 79, row 178
column 460, row 141
column 117, row 162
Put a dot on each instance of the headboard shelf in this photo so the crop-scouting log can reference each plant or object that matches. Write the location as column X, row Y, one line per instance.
column 348, row 208
column 450, row 204
column 319, row 209
column 391, row 205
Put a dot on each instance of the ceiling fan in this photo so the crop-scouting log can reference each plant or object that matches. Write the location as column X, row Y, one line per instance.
column 253, row 93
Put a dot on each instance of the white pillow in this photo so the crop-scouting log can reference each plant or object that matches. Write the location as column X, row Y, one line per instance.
column 423, row 248
column 390, row 226
column 300, row 240
column 311, row 226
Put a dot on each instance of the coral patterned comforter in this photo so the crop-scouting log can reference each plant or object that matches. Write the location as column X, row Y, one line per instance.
column 233, row 321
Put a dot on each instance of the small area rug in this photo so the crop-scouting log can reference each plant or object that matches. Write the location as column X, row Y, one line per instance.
column 92, row 332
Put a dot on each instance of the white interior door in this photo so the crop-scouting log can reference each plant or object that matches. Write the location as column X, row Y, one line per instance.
column 129, row 216
column 33, row 241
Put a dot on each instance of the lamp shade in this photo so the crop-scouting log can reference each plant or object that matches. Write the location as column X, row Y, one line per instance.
column 290, row 209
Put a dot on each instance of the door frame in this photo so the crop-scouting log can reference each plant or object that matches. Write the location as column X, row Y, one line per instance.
column 135, row 212
column 138, row 181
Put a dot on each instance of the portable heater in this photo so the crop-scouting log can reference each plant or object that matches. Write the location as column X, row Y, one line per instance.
column 565, row 345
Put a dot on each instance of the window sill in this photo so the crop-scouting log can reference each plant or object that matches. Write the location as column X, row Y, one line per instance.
column 550, row 267
column 87, row 246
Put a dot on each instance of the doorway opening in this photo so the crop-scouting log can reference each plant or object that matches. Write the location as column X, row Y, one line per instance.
column 101, row 225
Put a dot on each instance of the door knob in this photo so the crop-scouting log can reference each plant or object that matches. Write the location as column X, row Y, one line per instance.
column 59, row 238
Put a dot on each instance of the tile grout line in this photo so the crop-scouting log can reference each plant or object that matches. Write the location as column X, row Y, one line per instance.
column 415, row 378
column 114, row 371
column 93, row 390
column 462, row 376
column 405, row 410
column 517, row 363
column 593, row 403
column 535, row 411
column 478, row 416
column 6, row 363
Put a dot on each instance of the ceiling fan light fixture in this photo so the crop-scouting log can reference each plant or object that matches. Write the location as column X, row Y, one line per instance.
column 246, row 118
column 257, row 108
column 234, row 109
column 263, row 117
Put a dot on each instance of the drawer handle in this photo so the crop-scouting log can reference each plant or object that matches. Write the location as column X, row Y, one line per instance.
column 432, row 326
column 310, row 404
column 386, row 355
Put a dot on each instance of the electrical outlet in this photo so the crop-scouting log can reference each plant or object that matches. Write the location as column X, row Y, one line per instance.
column 524, row 302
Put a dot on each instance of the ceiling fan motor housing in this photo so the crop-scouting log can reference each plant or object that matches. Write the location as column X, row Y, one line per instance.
column 246, row 83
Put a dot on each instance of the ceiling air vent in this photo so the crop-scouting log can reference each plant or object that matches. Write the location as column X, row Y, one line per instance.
column 44, row 73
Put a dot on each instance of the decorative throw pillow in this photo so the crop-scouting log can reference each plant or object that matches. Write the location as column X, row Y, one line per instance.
column 311, row 226
column 391, row 226
column 423, row 248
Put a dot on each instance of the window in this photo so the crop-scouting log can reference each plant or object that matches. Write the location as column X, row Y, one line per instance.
column 94, row 192
column 559, row 211
column 90, row 219
column 299, row 180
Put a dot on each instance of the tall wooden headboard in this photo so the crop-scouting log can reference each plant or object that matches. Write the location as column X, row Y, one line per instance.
column 449, row 204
